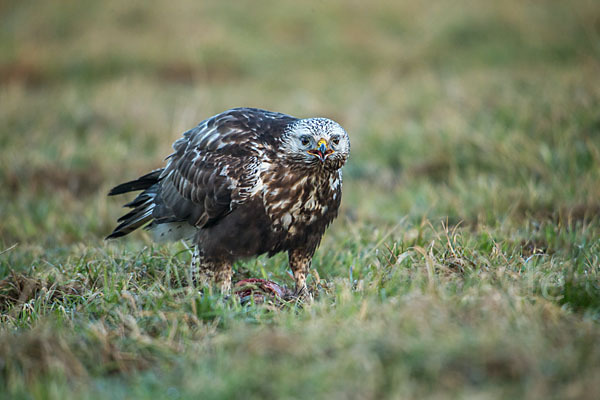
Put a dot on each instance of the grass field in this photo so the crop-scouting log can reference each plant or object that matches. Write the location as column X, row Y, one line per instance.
column 466, row 259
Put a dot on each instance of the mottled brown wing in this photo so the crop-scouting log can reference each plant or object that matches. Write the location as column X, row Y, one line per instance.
column 215, row 167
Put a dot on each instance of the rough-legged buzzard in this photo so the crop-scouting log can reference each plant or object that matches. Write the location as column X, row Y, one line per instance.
column 243, row 183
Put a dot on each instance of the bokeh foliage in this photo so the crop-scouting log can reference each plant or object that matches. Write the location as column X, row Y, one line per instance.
column 465, row 259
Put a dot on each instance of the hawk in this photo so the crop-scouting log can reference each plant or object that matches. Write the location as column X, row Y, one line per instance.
column 243, row 183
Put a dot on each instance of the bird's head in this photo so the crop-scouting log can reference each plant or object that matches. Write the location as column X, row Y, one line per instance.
column 317, row 143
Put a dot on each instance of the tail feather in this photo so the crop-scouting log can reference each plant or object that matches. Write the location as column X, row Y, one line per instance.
column 142, row 205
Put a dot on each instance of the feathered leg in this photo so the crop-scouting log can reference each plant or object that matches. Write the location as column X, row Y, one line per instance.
column 223, row 275
column 200, row 273
column 204, row 271
column 300, row 265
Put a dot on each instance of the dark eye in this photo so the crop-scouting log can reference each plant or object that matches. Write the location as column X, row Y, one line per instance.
column 305, row 140
column 335, row 140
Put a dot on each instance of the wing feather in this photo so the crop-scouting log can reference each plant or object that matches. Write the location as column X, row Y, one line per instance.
column 215, row 166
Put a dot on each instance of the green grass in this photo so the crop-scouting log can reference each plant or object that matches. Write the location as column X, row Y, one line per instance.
column 465, row 262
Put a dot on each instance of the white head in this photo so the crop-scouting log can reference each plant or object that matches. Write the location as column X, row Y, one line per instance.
column 316, row 143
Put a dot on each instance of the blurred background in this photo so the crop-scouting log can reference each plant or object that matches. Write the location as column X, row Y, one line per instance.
column 464, row 263
column 467, row 110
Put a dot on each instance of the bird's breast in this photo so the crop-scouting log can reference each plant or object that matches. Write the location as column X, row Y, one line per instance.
column 296, row 203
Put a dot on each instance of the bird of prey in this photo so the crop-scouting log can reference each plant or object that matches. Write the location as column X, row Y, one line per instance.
column 243, row 183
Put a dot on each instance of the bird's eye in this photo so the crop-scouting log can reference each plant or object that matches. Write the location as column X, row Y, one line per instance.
column 335, row 140
column 305, row 140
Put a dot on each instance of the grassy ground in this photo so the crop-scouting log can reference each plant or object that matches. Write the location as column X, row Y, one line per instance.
column 465, row 262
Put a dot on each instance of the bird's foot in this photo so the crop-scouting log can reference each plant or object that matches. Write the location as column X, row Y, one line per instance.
column 303, row 296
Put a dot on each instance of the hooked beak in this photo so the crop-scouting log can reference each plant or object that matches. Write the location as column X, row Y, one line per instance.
column 321, row 151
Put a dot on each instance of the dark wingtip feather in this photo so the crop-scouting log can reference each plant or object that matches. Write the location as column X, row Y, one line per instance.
column 143, row 182
column 142, row 205
column 115, row 234
column 131, row 222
